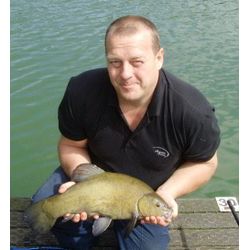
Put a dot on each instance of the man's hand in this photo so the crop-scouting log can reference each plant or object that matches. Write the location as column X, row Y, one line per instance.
column 74, row 217
column 162, row 220
column 155, row 220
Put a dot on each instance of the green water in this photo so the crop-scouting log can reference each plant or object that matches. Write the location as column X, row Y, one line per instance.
column 51, row 40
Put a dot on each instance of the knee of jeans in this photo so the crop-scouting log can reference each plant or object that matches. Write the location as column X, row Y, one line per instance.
column 146, row 237
column 72, row 235
column 158, row 243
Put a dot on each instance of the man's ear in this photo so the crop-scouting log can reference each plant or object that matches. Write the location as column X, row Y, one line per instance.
column 160, row 58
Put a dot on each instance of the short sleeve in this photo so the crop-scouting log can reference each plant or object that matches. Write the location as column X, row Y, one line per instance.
column 70, row 122
column 203, row 137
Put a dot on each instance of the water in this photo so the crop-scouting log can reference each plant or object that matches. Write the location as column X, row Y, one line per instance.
column 52, row 40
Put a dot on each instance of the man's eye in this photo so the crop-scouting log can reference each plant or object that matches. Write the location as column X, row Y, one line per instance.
column 137, row 63
column 116, row 64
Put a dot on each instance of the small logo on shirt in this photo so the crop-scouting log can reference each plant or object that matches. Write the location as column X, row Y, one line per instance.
column 162, row 152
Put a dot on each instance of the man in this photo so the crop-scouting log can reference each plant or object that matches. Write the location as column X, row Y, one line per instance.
column 138, row 119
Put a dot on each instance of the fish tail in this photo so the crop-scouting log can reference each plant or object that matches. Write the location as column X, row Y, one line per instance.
column 39, row 220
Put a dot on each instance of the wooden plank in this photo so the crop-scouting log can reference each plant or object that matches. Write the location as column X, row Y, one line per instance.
column 19, row 204
column 197, row 205
column 17, row 220
column 24, row 237
column 207, row 237
column 204, row 221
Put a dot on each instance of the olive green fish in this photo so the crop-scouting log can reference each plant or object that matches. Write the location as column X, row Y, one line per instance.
column 111, row 195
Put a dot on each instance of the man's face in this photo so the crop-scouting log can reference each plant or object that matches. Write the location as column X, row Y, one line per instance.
column 133, row 66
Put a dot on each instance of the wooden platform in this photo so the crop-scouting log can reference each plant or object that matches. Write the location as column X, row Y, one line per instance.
column 199, row 226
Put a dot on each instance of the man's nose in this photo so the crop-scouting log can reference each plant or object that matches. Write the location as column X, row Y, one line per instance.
column 126, row 71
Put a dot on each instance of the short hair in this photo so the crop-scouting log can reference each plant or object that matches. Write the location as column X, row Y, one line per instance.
column 128, row 25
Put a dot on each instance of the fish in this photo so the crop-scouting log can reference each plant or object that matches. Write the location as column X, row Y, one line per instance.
column 113, row 196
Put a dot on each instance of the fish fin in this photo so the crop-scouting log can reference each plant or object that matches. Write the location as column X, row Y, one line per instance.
column 100, row 225
column 84, row 171
column 131, row 224
column 39, row 220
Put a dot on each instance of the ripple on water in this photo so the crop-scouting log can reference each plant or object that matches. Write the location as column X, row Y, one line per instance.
column 51, row 41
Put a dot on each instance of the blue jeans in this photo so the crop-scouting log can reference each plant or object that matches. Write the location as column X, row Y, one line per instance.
column 72, row 235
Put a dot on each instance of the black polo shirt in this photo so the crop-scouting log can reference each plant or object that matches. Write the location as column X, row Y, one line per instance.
column 178, row 126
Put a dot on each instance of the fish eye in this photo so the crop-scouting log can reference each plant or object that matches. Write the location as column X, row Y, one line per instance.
column 158, row 204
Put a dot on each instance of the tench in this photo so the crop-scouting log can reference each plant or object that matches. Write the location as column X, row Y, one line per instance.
column 111, row 195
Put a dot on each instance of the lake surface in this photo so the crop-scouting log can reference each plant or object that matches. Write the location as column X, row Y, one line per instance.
column 52, row 40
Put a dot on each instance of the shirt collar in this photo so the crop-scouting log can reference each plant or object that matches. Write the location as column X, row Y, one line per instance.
column 112, row 99
column 155, row 105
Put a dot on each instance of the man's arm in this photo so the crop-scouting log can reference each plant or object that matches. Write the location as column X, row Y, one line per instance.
column 187, row 178
column 72, row 153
